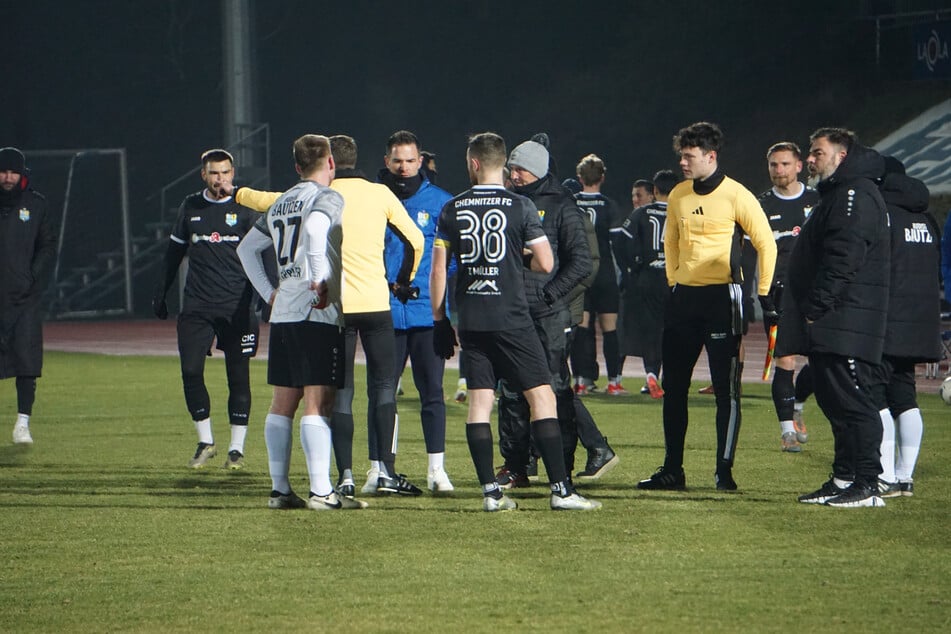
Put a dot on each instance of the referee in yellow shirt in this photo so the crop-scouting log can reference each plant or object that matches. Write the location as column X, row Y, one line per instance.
column 707, row 215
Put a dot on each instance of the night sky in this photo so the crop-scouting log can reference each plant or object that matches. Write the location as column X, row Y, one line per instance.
column 614, row 78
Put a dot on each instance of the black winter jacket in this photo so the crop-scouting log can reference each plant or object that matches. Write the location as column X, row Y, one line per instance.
column 562, row 222
column 27, row 247
column 914, row 325
column 838, row 276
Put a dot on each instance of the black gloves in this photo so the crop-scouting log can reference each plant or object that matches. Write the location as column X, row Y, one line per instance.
column 444, row 339
column 159, row 307
column 404, row 292
column 770, row 314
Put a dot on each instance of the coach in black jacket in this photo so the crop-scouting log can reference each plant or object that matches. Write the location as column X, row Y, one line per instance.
column 838, row 279
column 27, row 251
column 546, row 294
column 913, row 325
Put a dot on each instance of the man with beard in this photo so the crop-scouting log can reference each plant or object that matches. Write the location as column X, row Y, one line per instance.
column 835, row 309
column 217, row 303
column 29, row 246
column 409, row 304
column 787, row 205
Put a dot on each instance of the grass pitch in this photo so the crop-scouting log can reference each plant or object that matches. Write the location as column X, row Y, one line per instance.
column 105, row 529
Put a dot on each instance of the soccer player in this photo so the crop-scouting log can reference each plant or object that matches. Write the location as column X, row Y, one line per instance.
column 602, row 298
column 218, row 303
column 706, row 215
column 493, row 233
column 305, row 354
column 787, row 204
column 639, row 250
column 409, row 304
column 29, row 247
column 369, row 209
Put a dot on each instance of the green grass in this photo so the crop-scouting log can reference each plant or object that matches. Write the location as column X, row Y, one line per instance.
column 104, row 529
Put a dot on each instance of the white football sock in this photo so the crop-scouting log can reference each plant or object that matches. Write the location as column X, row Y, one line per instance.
column 315, row 438
column 203, row 427
column 842, row 484
column 375, row 465
column 436, row 460
column 888, row 446
column 787, row 426
column 909, row 430
column 238, row 434
column 23, row 419
column 277, row 437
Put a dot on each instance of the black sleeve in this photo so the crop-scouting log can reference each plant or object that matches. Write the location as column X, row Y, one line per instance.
column 173, row 258
column 406, row 267
column 44, row 253
column 574, row 257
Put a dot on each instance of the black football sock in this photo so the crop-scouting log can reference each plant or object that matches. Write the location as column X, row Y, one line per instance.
column 547, row 435
column 612, row 356
column 804, row 384
column 784, row 394
column 479, row 437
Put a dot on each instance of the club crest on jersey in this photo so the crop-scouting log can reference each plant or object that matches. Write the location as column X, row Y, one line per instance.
column 541, row 215
column 807, row 210
column 422, row 218
column 231, row 219
column 24, row 214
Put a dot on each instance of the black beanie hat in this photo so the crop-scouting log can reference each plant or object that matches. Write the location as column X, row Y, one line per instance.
column 12, row 159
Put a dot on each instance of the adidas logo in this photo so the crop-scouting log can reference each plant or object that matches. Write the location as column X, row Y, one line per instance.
column 698, row 211
column 483, row 287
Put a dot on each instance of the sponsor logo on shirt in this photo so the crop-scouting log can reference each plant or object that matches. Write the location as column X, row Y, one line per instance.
column 195, row 219
column 24, row 214
column 215, row 237
column 483, row 287
column 231, row 219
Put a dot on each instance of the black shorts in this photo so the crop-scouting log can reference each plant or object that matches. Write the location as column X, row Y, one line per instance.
column 514, row 355
column 235, row 334
column 603, row 298
column 305, row 353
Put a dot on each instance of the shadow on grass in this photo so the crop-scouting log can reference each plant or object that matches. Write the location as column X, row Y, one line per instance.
column 14, row 455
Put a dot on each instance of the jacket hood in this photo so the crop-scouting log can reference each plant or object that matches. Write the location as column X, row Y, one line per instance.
column 860, row 162
column 906, row 192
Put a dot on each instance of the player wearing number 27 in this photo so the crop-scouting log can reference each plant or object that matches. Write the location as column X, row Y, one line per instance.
column 305, row 360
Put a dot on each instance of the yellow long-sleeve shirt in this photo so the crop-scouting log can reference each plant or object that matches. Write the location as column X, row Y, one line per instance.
column 368, row 208
column 699, row 239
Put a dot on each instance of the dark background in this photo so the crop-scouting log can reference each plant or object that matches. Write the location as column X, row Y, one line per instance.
column 614, row 78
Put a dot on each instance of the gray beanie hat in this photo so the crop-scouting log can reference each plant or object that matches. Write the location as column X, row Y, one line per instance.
column 531, row 156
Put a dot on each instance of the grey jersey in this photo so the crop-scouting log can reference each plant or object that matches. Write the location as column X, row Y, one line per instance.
column 286, row 223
